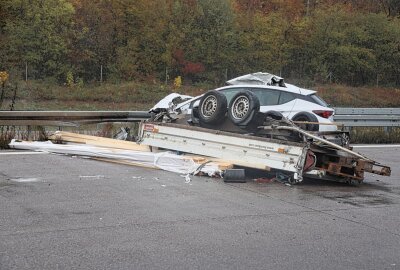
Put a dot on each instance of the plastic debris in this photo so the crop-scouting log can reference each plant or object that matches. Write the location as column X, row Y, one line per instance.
column 122, row 134
column 187, row 179
column 162, row 160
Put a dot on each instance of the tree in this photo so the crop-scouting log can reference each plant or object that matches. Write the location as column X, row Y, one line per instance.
column 142, row 49
column 37, row 34
column 201, row 39
column 95, row 37
column 391, row 7
column 348, row 45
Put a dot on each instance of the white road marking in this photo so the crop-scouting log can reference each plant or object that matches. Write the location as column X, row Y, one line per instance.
column 21, row 153
column 91, row 176
column 25, row 180
column 377, row 146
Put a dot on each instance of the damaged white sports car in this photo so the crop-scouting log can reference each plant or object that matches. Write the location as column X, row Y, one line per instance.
column 244, row 96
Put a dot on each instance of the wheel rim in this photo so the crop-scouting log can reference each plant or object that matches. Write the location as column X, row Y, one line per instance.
column 209, row 106
column 240, row 107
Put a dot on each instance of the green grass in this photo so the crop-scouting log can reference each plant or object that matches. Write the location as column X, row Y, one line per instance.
column 40, row 95
column 345, row 96
column 47, row 95
column 375, row 135
column 36, row 95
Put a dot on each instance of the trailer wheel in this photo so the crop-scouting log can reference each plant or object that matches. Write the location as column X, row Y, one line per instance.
column 306, row 117
column 212, row 107
column 243, row 107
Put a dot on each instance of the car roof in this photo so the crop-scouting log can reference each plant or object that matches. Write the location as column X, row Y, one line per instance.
column 288, row 88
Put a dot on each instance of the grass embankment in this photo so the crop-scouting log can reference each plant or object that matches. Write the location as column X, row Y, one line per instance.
column 123, row 96
column 36, row 95
column 369, row 97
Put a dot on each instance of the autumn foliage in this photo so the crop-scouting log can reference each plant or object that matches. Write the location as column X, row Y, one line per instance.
column 186, row 67
column 356, row 42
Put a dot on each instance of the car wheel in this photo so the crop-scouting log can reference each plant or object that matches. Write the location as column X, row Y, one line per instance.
column 243, row 107
column 306, row 117
column 212, row 107
column 274, row 115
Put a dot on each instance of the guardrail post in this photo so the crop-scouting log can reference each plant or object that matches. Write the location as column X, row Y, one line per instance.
column 347, row 128
column 387, row 130
column 28, row 131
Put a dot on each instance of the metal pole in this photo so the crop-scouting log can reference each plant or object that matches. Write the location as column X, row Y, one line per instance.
column 318, row 139
column 101, row 73
column 26, row 71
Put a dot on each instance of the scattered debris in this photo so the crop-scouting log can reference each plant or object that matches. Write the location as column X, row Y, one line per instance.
column 279, row 177
column 122, row 134
column 264, row 180
column 187, row 179
column 235, row 176
column 160, row 160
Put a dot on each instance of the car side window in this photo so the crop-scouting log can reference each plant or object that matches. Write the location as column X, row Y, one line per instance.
column 230, row 92
column 267, row 97
column 285, row 97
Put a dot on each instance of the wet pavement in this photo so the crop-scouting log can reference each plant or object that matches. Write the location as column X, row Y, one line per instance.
column 60, row 212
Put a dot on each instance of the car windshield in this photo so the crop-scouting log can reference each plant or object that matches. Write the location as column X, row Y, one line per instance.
column 318, row 100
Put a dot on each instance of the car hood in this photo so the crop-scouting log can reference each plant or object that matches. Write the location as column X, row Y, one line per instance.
column 167, row 102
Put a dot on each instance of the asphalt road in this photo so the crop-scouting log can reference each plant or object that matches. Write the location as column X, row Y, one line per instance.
column 59, row 212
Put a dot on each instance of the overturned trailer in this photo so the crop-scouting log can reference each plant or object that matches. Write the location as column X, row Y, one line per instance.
column 301, row 159
column 241, row 134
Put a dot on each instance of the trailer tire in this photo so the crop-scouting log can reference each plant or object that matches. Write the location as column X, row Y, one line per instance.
column 306, row 117
column 243, row 107
column 212, row 107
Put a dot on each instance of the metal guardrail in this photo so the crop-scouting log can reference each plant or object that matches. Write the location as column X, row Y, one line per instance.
column 350, row 117
column 368, row 117
column 68, row 118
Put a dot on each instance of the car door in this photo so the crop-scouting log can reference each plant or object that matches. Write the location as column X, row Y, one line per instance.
column 276, row 100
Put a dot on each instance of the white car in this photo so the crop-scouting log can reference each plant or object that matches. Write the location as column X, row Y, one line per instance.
column 295, row 103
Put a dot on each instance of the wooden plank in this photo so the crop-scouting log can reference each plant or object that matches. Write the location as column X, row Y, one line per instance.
column 221, row 164
column 127, row 145
column 98, row 141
